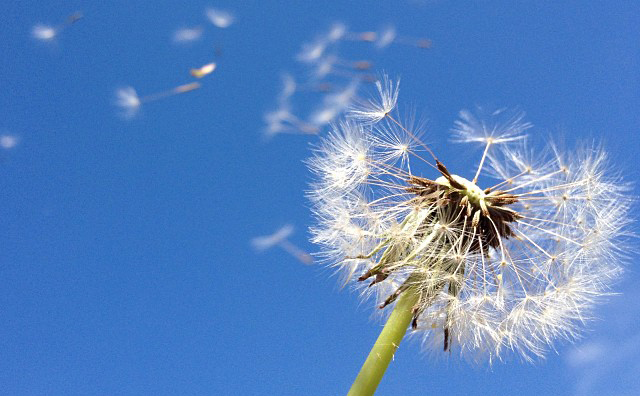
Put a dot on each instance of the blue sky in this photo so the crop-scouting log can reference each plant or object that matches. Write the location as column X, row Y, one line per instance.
column 126, row 265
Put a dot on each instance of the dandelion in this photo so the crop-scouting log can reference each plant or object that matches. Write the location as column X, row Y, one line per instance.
column 219, row 18
column 280, row 238
column 502, row 259
column 129, row 102
column 187, row 35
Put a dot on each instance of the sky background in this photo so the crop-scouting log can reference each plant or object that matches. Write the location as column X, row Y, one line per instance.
column 126, row 266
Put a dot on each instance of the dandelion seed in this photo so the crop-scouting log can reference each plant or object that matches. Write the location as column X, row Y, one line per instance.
column 187, row 35
column 373, row 111
column 219, row 18
column 289, row 87
column 282, row 120
column 483, row 268
column 386, row 37
column 129, row 101
column 49, row 33
column 75, row 17
column 336, row 32
column 368, row 37
column 204, row 70
column 312, row 52
column 8, row 141
column 44, row 32
column 280, row 238
column 335, row 104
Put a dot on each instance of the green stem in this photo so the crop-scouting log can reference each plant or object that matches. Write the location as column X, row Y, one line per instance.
column 385, row 347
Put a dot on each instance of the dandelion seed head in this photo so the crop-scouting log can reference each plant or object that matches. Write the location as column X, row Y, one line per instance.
column 509, row 264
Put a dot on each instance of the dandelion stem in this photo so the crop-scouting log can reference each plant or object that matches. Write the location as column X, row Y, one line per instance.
column 385, row 347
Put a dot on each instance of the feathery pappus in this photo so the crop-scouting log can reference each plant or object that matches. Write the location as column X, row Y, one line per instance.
column 508, row 256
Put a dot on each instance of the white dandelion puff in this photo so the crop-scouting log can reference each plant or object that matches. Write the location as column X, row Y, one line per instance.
column 49, row 33
column 386, row 37
column 336, row 32
column 220, row 18
column 129, row 102
column 511, row 264
column 499, row 126
column 187, row 35
column 312, row 52
column 281, row 238
column 374, row 110
column 8, row 142
column 203, row 70
column 282, row 120
column 44, row 32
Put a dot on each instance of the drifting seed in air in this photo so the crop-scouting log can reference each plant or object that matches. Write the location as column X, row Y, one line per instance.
column 48, row 33
column 204, row 70
column 280, row 238
column 129, row 101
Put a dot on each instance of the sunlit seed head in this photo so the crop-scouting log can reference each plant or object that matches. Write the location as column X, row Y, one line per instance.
column 512, row 266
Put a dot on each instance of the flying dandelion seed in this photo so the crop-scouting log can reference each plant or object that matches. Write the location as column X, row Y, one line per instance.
column 312, row 52
column 485, row 268
column 386, row 37
column 282, row 120
column 280, row 238
column 187, row 35
column 49, row 33
column 219, row 18
column 204, row 70
column 129, row 102
column 334, row 104
column 44, row 32
column 8, row 142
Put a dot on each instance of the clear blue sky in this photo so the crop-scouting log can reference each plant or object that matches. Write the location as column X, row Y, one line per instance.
column 125, row 259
